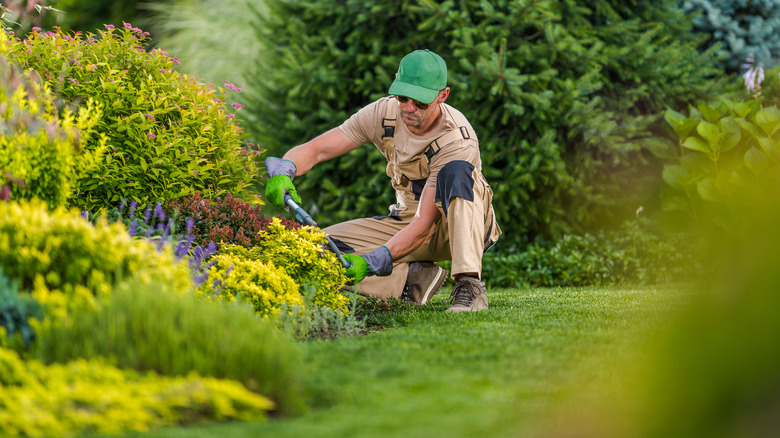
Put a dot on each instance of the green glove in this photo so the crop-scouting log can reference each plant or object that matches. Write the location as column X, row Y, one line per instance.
column 377, row 262
column 280, row 175
column 358, row 269
column 275, row 188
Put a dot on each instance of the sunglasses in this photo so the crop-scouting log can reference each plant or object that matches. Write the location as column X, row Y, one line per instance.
column 419, row 105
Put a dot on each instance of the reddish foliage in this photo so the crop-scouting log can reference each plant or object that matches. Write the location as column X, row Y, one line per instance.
column 226, row 220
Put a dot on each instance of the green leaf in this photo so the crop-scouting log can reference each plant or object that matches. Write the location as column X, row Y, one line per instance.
column 683, row 126
column 696, row 144
column 732, row 134
column 767, row 145
column 756, row 160
column 768, row 119
column 709, row 113
column 711, row 133
column 707, row 189
column 676, row 176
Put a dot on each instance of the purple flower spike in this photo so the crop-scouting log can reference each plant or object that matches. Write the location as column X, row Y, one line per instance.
column 147, row 215
column 133, row 226
column 158, row 212
column 133, row 204
column 190, row 224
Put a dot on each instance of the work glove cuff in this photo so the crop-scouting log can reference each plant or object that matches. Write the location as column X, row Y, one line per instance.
column 380, row 261
column 279, row 166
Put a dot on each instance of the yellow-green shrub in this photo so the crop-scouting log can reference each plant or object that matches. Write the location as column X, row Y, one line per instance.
column 38, row 145
column 151, row 327
column 65, row 260
column 301, row 254
column 264, row 285
column 89, row 396
column 169, row 135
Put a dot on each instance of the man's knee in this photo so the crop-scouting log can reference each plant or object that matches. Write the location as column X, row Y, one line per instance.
column 455, row 179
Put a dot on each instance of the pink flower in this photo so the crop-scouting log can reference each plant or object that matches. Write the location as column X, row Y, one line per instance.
column 238, row 105
column 149, row 116
column 36, row 29
column 109, row 26
column 128, row 26
column 151, row 135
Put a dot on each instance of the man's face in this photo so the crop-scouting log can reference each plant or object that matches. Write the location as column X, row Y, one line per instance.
column 413, row 116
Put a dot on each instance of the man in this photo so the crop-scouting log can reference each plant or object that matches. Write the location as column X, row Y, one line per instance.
column 443, row 209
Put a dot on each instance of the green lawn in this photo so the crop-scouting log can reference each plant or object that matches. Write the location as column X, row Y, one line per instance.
column 490, row 374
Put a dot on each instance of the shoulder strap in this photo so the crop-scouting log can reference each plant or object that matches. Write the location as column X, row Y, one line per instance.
column 456, row 134
column 388, row 122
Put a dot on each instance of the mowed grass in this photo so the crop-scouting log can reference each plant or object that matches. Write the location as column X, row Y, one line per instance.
column 500, row 373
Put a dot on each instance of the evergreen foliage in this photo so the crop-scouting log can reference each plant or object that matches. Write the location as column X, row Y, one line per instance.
column 743, row 28
column 562, row 94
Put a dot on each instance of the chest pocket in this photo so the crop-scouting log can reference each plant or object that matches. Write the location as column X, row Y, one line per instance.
column 410, row 176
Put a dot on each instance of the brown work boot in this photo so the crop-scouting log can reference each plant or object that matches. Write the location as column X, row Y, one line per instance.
column 422, row 282
column 468, row 295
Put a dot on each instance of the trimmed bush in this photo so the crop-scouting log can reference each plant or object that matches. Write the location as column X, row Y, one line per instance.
column 65, row 260
column 63, row 400
column 38, row 151
column 635, row 254
column 263, row 285
column 301, row 254
column 222, row 220
column 168, row 135
column 151, row 327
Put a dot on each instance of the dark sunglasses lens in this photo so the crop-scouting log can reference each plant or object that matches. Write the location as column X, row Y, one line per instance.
column 420, row 106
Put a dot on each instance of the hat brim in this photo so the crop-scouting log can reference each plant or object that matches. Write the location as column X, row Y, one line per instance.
column 420, row 94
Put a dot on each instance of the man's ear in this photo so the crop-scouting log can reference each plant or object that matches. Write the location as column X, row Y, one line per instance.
column 443, row 94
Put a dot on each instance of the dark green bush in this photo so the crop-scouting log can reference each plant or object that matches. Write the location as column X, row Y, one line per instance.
column 562, row 94
column 15, row 311
column 153, row 328
column 168, row 135
column 635, row 254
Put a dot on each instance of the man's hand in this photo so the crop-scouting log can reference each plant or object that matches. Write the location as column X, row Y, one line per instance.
column 280, row 174
column 275, row 188
column 358, row 269
column 377, row 262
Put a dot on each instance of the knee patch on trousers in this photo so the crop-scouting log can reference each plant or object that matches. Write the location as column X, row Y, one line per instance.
column 454, row 180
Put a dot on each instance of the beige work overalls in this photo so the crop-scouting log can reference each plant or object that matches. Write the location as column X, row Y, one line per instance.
column 465, row 230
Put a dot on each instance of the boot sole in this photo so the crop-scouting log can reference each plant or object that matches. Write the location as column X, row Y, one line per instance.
column 436, row 284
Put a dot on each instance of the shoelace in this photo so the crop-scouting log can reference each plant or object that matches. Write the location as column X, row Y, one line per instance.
column 461, row 295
